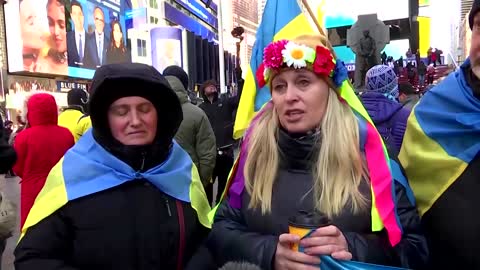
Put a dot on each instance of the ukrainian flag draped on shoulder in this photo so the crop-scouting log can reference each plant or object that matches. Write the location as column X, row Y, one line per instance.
column 282, row 19
column 441, row 139
column 88, row 168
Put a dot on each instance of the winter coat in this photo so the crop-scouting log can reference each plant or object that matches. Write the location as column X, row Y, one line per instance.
column 411, row 101
column 220, row 115
column 7, row 153
column 389, row 117
column 451, row 223
column 69, row 119
column 83, row 125
column 195, row 134
column 133, row 226
column 247, row 235
column 421, row 69
column 132, row 205
column 39, row 148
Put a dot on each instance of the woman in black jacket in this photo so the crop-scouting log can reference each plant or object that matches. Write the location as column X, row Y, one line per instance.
column 310, row 150
column 126, row 196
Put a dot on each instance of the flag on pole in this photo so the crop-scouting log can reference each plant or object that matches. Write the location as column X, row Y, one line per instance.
column 282, row 19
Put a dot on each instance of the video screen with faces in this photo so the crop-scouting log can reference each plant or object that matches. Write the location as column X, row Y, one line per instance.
column 65, row 37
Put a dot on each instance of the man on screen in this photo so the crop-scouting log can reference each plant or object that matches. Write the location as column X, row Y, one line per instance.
column 98, row 41
column 76, row 39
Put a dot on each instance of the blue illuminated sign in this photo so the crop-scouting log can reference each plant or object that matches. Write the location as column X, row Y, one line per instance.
column 174, row 15
column 212, row 5
column 200, row 11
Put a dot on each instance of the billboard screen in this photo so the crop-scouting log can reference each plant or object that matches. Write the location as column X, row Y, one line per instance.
column 345, row 12
column 65, row 37
column 166, row 47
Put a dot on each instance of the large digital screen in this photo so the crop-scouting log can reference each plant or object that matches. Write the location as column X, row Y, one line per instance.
column 345, row 12
column 166, row 47
column 65, row 37
column 395, row 48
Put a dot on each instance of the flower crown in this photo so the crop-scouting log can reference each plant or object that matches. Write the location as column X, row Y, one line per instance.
column 284, row 53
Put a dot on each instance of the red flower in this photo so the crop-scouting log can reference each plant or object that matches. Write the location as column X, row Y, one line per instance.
column 272, row 54
column 323, row 64
column 260, row 76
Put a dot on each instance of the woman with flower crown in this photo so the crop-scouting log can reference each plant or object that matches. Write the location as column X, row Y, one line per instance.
column 313, row 151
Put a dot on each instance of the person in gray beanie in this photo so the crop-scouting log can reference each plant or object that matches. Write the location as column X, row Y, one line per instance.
column 380, row 101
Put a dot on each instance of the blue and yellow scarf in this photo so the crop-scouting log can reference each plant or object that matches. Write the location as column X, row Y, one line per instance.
column 88, row 168
column 442, row 138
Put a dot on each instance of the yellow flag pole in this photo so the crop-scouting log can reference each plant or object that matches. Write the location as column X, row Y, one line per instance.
column 317, row 24
column 312, row 15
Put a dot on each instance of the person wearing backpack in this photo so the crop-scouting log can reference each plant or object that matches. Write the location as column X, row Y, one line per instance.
column 380, row 101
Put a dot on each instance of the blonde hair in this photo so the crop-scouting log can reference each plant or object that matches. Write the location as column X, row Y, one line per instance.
column 339, row 168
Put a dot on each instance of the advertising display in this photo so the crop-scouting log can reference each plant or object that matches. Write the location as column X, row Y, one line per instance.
column 68, row 37
column 166, row 47
column 176, row 16
column 345, row 12
column 66, row 86
column 395, row 48
column 19, row 87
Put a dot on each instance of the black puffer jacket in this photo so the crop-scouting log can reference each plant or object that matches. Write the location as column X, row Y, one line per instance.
column 220, row 113
column 133, row 226
column 7, row 153
column 247, row 235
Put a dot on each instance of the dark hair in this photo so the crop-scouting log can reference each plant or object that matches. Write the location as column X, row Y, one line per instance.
column 240, row 266
column 406, row 88
column 112, row 40
column 76, row 3
column 208, row 83
column 99, row 8
column 62, row 3
column 178, row 72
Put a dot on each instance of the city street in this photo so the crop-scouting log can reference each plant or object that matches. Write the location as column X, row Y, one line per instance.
column 11, row 188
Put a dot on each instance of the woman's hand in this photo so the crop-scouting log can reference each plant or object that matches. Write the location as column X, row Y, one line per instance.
column 327, row 241
column 287, row 259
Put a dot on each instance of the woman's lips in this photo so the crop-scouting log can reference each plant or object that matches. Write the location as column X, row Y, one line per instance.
column 294, row 115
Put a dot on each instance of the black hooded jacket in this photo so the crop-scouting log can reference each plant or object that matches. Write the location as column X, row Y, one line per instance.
column 246, row 234
column 221, row 113
column 7, row 153
column 134, row 226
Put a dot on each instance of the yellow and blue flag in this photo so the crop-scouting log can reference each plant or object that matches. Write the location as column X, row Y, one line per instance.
column 88, row 168
column 282, row 19
column 441, row 139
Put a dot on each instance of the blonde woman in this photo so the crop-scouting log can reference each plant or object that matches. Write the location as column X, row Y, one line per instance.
column 311, row 150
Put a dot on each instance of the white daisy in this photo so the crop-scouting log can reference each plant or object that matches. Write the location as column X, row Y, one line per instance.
column 297, row 55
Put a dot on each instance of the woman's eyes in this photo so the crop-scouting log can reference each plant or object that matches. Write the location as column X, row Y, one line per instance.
column 145, row 108
column 121, row 111
column 303, row 83
column 279, row 87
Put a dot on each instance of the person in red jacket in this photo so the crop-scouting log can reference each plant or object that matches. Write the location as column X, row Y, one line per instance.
column 39, row 148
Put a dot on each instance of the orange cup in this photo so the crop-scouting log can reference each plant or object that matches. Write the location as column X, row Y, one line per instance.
column 304, row 224
column 300, row 232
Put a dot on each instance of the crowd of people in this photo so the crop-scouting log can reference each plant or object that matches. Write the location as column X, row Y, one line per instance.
column 123, row 177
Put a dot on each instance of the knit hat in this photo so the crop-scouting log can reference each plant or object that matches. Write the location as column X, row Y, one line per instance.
column 77, row 98
column 382, row 79
column 475, row 9
column 178, row 72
